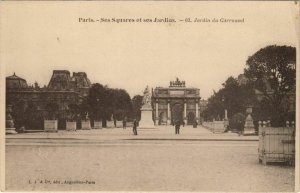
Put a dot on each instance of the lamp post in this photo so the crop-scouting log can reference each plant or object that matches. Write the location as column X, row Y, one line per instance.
column 225, row 113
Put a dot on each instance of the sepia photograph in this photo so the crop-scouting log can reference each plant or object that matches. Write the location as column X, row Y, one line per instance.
column 149, row 96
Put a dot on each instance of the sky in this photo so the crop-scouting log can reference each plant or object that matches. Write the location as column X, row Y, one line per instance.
column 39, row 37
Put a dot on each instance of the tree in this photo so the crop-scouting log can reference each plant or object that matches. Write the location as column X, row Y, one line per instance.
column 102, row 102
column 233, row 97
column 33, row 118
column 18, row 114
column 97, row 101
column 237, row 122
column 272, row 72
column 120, row 103
column 136, row 106
column 73, row 110
column 51, row 108
column 214, row 107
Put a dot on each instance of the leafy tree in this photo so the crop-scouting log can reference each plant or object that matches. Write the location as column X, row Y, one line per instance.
column 51, row 108
column 85, row 109
column 73, row 110
column 272, row 72
column 237, row 122
column 136, row 106
column 233, row 97
column 18, row 114
column 33, row 118
column 102, row 102
column 97, row 101
column 120, row 103
column 214, row 107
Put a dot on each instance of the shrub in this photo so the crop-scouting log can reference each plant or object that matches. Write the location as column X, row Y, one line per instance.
column 237, row 122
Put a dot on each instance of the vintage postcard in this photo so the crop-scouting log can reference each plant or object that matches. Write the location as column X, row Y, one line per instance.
column 185, row 96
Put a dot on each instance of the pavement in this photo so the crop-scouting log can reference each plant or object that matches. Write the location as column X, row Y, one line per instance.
column 187, row 133
column 154, row 160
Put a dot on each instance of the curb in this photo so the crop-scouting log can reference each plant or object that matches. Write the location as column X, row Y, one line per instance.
column 152, row 139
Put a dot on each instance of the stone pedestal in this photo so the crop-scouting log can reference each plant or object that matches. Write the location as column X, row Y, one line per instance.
column 110, row 124
column 86, row 125
column 10, row 126
column 71, row 126
column 146, row 118
column 249, row 126
column 97, row 124
column 119, row 124
column 10, row 131
column 168, row 121
column 50, row 125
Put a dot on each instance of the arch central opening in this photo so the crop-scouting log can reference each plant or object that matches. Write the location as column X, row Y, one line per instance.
column 177, row 112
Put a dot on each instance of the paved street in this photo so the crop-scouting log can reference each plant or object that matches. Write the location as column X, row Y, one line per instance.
column 155, row 160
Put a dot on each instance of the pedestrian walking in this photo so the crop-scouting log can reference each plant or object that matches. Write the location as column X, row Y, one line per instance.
column 177, row 127
column 135, row 123
column 195, row 123
column 115, row 122
column 124, row 123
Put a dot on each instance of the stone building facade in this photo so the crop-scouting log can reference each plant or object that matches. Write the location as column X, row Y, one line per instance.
column 177, row 102
column 62, row 91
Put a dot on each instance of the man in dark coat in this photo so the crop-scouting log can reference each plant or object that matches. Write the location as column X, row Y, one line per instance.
column 115, row 122
column 177, row 127
column 195, row 123
column 135, row 123
column 124, row 122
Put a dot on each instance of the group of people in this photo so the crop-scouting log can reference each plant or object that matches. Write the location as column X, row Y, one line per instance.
column 135, row 125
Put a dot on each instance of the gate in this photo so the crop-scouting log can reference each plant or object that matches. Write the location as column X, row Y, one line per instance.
column 276, row 144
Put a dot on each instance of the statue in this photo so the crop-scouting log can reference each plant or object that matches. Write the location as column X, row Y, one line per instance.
column 147, row 97
column 10, row 126
column 177, row 83
column 112, row 117
column 146, row 111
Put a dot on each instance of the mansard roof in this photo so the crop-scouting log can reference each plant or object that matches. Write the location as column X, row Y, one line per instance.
column 60, row 80
column 81, row 80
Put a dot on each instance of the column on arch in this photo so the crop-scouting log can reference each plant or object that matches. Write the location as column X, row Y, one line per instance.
column 184, row 115
column 197, row 111
column 169, row 114
column 156, row 112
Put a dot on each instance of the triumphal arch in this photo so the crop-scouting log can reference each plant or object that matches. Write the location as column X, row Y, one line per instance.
column 177, row 102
